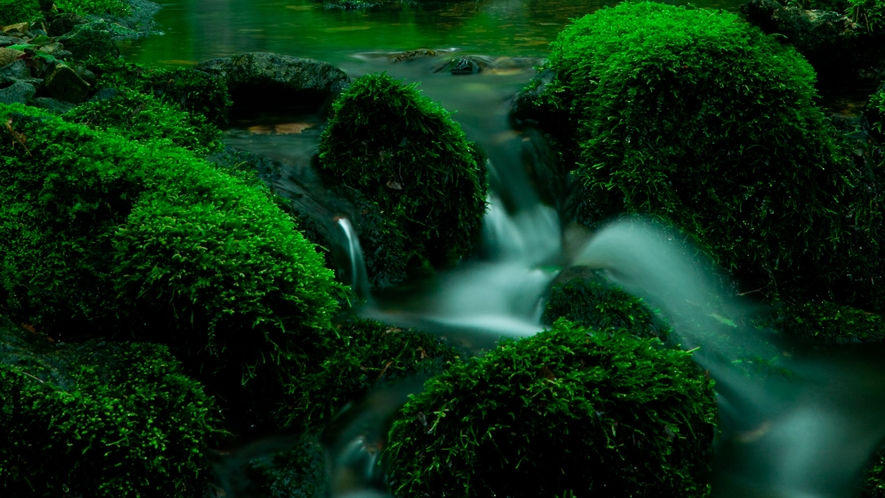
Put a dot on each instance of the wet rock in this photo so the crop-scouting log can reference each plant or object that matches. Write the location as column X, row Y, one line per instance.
column 18, row 93
column 52, row 105
column 65, row 84
column 266, row 80
column 8, row 56
column 15, row 72
column 413, row 54
column 5, row 41
column 21, row 27
column 93, row 38
column 524, row 110
column 835, row 45
column 460, row 66
column 350, row 5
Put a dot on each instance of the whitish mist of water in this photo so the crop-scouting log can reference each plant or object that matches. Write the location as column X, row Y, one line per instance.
column 800, row 423
column 359, row 280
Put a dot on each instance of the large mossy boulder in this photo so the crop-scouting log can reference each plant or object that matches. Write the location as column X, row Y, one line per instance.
column 420, row 184
column 699, row 119
column 99, row 419
column 568, row 412
column 103, row 236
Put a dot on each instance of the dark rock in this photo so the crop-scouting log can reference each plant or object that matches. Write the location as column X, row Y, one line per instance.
column 63, row 23
column 524, row 108
column 105, row 94
column 18, row 72
column 5, row 41
column 835, row 45
column 93, row 38
column 52, row 105
column 65, row 84
column 265, row 80
column 8, row 56
column 463, row 65
column 18, row 93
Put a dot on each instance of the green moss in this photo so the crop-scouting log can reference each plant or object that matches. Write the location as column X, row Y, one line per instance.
column 126, row 424
column 141, row 117
column 565, row 411
column 83, row 7
column 875, row 479
column 412, row 167
column 829, row 323
column 15, row 11
column 104, row 235
column 698, row 119
column 193, row 91
column 596, row 304
column 363, row 354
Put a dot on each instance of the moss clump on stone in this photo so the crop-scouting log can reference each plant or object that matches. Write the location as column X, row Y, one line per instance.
column 141, row 117
column 596, row 304
column 193, row 91
column 113, row 237
column 829, row 323
column 568, row 412
column 413, row 168
column 694, row 117
column 84, row 7
column 362, row 354
column 123, row 421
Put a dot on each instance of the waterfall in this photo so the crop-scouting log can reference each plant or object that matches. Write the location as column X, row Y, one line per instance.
column 808, row 433
column 359, row 280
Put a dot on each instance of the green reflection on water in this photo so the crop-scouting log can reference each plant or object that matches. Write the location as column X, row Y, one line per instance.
column 197, row 30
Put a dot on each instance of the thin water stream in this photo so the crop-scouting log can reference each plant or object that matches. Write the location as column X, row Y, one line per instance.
column 805, row 435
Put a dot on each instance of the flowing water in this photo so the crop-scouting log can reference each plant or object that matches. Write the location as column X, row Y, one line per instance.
column 806, row 434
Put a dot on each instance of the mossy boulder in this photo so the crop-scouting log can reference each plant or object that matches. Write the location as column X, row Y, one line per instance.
column 595, row 303
column 142, row 117
column 828, row 323
column 420, row 184
column 361, row 355
column 105, row 236
column 195, row 92
column 699, row 119
column 568, row 412
column 100, row 419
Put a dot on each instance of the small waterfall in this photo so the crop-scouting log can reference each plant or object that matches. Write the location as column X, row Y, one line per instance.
column 359, row 280
column 806, row 430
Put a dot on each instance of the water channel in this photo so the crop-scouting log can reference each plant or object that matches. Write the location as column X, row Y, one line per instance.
column 828, row 415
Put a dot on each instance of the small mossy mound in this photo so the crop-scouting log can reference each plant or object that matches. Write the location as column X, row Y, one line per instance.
column 193, row 91
column 829, row 323
column 568, row 412
column 111, row 237
column 361, row 355
column 141, row 117
column 596, row 304
column 122, row 421
column 699, row 119
column 15, row 11
column 412, row 167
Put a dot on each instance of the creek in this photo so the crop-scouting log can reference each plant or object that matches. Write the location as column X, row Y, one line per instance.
column 808, row 435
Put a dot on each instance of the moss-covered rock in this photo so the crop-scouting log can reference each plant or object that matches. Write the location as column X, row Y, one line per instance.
column 594, row 303
column 363, row 354
column 568, row 412
column 420, row 183
column 193, row 91
column 142, row 117
column 694, row 117
column 828, row 322
column 106, row 236
column 100, row 419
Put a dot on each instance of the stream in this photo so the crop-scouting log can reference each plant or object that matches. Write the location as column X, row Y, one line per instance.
column 808, row 435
